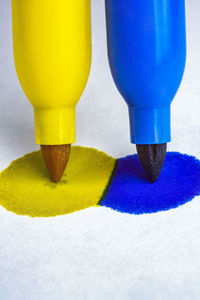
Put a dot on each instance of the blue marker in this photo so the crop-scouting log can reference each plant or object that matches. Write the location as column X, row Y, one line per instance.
column 147, row 54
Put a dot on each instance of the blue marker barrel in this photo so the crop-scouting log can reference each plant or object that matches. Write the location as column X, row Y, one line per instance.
column 147, row 53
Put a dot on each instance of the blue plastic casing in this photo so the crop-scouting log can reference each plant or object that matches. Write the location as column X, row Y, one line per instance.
column 147, row 54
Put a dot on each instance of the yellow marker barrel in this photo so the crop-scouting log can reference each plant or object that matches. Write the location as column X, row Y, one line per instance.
column 52, row 53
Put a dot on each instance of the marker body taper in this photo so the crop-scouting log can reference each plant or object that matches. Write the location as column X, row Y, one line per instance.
column 147, row 53
column 52, row 53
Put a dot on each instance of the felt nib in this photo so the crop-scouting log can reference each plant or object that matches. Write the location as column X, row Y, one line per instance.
column 56, row 158
column 152, row 158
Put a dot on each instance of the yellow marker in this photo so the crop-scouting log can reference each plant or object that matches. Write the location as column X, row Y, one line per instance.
column 52, row 53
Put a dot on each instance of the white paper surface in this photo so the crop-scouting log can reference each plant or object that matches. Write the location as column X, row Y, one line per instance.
column 98, row 253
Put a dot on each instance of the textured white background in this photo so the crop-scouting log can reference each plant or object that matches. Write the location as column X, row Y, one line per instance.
column 97, row 253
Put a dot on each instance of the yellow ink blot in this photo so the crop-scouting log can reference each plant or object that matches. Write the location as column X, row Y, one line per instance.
column 26, row 189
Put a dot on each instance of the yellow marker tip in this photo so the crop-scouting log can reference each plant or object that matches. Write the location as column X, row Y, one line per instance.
column 56, row 158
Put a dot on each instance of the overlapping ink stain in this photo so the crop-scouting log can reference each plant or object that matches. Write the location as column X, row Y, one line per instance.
column 26, row 189
column 130, row 192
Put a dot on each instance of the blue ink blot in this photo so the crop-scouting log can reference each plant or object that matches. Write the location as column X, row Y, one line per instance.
column 130, row 192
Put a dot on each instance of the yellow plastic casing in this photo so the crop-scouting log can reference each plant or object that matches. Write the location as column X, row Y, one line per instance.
column 52, row 54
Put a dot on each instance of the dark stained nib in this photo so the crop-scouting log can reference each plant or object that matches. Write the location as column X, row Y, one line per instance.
column 56, row 158
column 152, row 158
